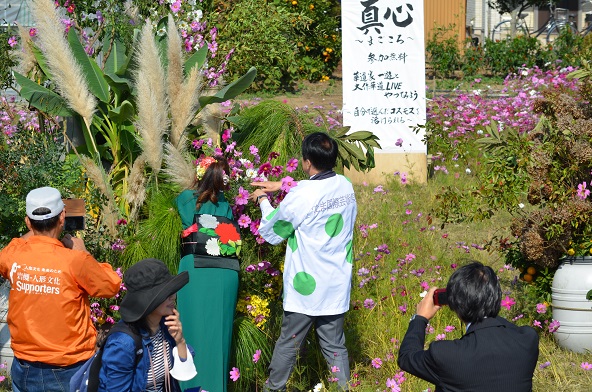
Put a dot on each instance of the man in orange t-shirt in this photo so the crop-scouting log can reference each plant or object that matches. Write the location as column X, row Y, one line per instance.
column 51, row 331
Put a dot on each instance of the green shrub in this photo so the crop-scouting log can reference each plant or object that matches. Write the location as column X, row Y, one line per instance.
column 7, row 60
column 507, row 56
column 472, row 60
column 263, row 36
column 442, row 51
column 319, row 43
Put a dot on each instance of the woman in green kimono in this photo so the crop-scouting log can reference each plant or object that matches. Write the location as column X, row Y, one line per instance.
column 208, row 302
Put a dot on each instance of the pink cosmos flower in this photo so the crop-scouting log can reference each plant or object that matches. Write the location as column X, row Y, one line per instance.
column 334, row 369
column 226, row 135
column 441, row 336
column 403, row 308
column 12, row 41
column 369, row 303
column 32, row 32
column 583, row 193
column 449, row 328
column 176, row 7
column 554, row 326
column 292, row 165
column 234, row 374
column 541, row 308
column 392, row 384
column 409, row 257
column 586, row 366
column 399, row 142
column 537, row 323
column 256, row 356
column 544, row 365
column 508, row 302
column 288, row 183
column 377, row 363
column 242, row 198
column 244, row 221
column 254, row 150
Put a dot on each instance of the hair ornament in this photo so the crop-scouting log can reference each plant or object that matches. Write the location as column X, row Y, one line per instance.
column 202, row 166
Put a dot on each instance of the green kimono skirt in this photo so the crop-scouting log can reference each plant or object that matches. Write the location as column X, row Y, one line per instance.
column 207, row 305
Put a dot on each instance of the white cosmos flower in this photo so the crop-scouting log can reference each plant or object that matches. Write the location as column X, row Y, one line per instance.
column 212, row 247
column 423, row 294
column 161, row 32
column 521, row 205
column 251, row 173
column 208, row 221
column 468, row 171
column 318, row 387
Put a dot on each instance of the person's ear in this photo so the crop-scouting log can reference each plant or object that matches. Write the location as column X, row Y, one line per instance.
column 28, row 223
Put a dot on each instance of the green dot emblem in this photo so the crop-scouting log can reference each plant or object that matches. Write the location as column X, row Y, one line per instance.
column 350, row 252
column 292, row 242
column 304, row 283
column 283, row 228
column 334, row 225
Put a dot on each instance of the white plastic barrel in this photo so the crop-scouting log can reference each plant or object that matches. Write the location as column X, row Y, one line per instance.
column 6, row 354
column 572, row 280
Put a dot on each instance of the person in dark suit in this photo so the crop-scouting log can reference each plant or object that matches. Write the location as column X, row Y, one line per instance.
column 493, row 355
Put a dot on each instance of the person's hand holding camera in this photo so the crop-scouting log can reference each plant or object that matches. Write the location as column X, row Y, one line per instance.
column 73, row 243
column 426, row 307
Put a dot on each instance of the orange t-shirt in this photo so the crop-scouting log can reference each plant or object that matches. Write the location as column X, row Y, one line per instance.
column 48, row 306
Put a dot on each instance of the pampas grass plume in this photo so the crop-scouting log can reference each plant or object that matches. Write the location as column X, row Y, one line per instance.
column 66, row 72
column 152, row 104
column 179, row 169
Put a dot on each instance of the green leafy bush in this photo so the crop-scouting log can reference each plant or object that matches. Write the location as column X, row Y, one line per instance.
column 443, row 52
column 507, row 56
column 263, row 36
column 472, row 60
column 319, row 42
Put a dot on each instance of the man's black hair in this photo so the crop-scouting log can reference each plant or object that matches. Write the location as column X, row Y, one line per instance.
column 44, row 225
column 474, row 292
column 321, row 150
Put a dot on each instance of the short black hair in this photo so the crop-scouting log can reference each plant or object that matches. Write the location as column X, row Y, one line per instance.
column 45, row 225
column 474, row 292
column 321, row 150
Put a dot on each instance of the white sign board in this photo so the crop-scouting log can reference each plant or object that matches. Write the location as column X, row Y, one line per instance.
column 384, row 71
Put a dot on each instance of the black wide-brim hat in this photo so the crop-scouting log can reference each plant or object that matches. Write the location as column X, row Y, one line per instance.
column 149, row 283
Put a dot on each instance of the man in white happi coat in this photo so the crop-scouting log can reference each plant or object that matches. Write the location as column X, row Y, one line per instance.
column 317, row 219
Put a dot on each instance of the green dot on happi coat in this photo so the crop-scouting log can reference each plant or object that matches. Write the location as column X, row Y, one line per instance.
column 334, row 225
column 283, row 228
column 293, row 243
column 304, row 283
column 349, row 248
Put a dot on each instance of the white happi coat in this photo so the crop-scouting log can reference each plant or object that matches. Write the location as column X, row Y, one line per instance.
column 317, row 218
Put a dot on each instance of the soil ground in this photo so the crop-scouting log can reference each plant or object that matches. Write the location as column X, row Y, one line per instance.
column 317, row 93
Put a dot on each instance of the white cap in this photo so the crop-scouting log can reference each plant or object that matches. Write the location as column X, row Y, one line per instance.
column 45, row 197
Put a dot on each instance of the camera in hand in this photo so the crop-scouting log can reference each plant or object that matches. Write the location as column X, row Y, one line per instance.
column 75, row 212
column 440, row 297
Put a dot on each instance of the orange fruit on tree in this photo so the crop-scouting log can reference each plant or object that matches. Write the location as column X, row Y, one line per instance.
column 531, row 270
column 527, row 278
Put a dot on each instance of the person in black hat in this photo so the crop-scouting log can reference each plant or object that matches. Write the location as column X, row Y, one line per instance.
column 149, row 310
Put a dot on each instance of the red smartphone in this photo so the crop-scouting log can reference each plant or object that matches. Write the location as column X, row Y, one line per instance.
column 440, row 297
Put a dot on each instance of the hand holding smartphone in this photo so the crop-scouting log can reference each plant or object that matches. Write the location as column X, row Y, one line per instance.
column 440, row 297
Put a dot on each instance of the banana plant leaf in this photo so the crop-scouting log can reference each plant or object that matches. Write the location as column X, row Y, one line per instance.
column 42, row 98
column 232, row 90
column 97, row 84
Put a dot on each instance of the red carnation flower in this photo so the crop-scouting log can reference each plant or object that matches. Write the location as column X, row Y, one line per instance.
column 227, row 232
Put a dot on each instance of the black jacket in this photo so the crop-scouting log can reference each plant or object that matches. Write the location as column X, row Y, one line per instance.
column 494, row 355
